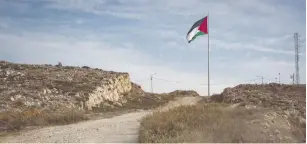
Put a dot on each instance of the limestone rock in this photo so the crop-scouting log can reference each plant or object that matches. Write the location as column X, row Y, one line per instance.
column 288, row 100
column 48, row 85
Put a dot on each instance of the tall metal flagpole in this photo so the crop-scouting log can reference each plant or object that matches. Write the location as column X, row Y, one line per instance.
column 208, row 57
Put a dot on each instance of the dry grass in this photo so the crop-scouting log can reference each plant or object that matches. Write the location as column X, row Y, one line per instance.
column 298, row 128
column 190, row 124
column 203, row 123
column 16, row 120
column 149, row 101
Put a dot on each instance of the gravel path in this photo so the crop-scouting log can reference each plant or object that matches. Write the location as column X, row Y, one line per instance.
column 118, row 129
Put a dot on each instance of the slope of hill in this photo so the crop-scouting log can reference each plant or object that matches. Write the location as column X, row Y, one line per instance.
column 47, row 94
column 245, row 113
column 291, row 98
column 73, row 87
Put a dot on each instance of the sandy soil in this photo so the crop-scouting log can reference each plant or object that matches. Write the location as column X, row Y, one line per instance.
column 118, row 129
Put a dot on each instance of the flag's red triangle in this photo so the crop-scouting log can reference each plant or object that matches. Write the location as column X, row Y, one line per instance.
column 204, row 26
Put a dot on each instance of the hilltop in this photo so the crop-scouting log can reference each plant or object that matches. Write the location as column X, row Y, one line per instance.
column 47, row 85
column 290, row 99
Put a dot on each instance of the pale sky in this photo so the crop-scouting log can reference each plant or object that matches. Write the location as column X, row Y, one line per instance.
column 248, row 38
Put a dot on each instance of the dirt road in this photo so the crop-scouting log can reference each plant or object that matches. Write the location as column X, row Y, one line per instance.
column 119, row 129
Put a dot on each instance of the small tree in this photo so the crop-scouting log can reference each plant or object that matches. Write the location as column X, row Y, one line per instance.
column 59, row 64
column 86, row 67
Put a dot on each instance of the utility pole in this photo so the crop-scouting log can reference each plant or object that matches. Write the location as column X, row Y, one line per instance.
column 279, row 78
column 292, row 78
column 151, row 81
column 261, row 79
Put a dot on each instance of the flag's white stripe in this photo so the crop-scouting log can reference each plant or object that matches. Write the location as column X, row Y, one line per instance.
column 192, row 33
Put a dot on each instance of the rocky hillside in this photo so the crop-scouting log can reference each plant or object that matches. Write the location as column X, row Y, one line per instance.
column 38, row 95
column 47, row 85
column 286, row 101
column 270, row 113
column 291, row 98
column 84, row 88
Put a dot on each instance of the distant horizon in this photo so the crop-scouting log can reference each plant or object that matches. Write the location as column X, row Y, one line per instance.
column 80, row 66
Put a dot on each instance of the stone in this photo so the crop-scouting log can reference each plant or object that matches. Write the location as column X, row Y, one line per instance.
column 18, row 96
column 55, row 90
column 118, row 104
column 48, row 91
column 29, row 103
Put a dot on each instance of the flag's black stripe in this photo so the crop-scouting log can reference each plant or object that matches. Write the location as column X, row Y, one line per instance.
column 196, row 24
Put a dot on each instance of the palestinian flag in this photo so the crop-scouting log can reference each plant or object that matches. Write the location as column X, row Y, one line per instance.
column 199, row 28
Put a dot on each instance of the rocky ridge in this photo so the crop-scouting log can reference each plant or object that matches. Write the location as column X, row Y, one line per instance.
column 40, row 95
column 284, row 106
column 47, row 86
column 290, row 98
column 83, row 88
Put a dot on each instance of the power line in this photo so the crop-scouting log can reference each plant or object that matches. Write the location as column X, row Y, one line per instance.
column 216, row 84
column 261, row 79
column 166, row 80
column 252, row 80
column 141, row 79
column 202, row 84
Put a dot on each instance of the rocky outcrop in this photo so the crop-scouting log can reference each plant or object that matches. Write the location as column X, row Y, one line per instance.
column 184, row 93
column 284, row 97
column 54, row 86
column 39, row 95
column 285, row 101
column 111, row 92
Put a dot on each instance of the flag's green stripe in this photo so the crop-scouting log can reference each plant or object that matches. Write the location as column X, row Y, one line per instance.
column 197, row 34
